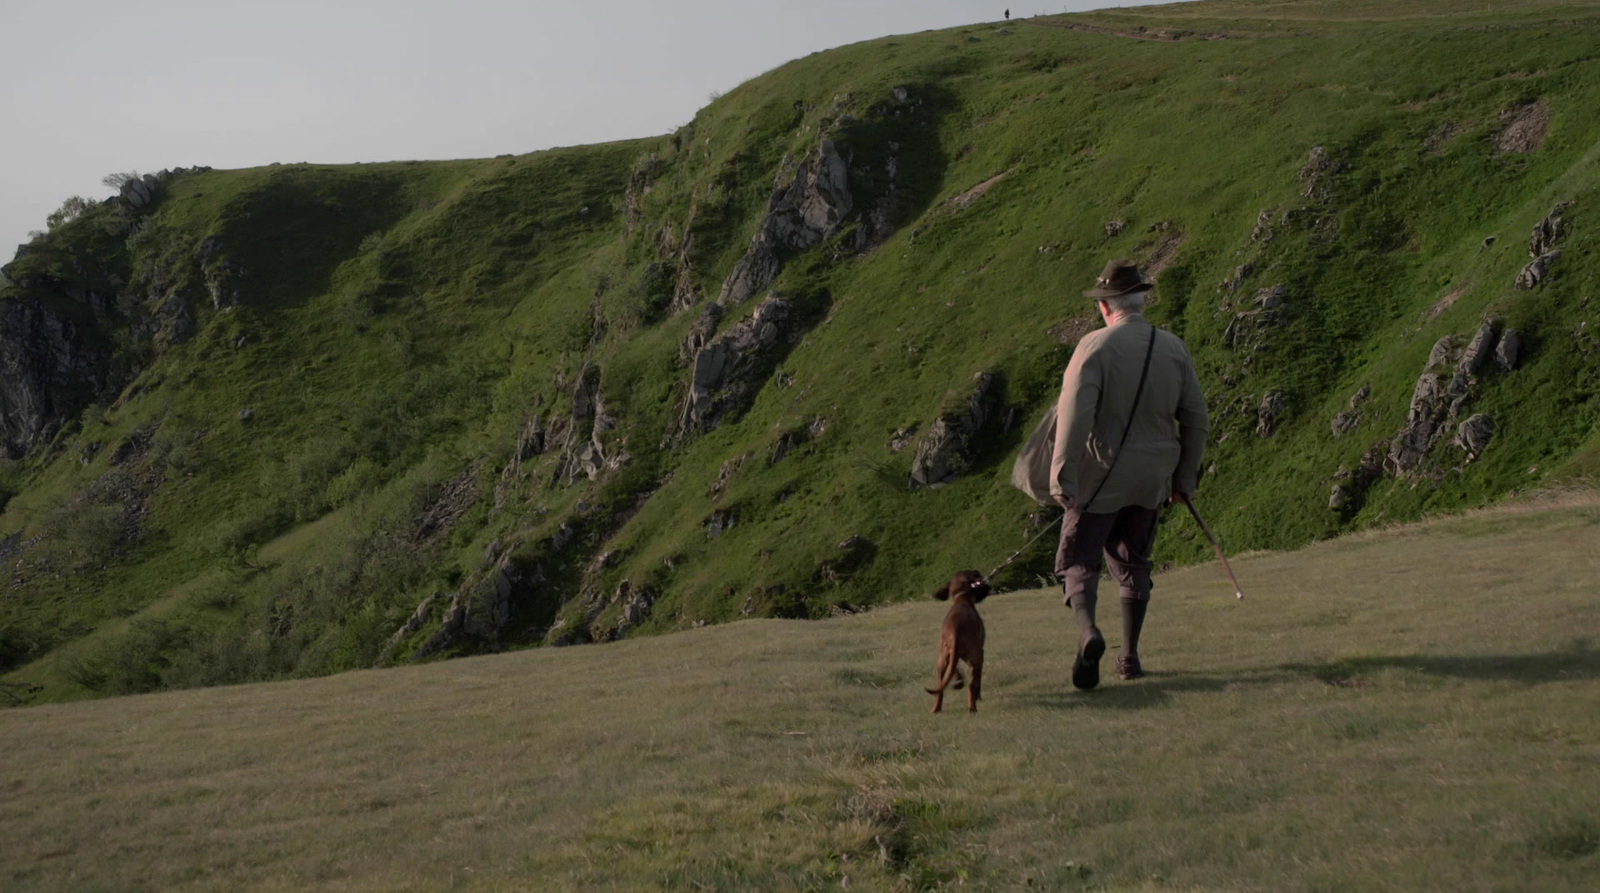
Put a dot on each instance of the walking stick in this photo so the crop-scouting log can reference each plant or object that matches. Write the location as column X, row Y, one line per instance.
column 1238, row 593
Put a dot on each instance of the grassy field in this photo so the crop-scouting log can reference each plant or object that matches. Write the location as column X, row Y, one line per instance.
column 1406, row 709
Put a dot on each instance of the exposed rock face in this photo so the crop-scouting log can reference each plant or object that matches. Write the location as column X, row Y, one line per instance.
column 584, row 451
column 700, row 333
column 1547, row 232
column 1537, row 272
column 799, row 215
column 487, row 602
column 1473, row 435
column 49, row 370
column 138, row 193
column 1350, row 417
column 1350, row 488
column 1508, row 351
column 728, row 371
column 1268, row 414
column 1542, row 248
column 635, row 602
column 1441, row 395
column 1430, row 406
column 945, row 452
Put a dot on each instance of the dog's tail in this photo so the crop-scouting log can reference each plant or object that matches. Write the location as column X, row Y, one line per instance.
column 951, row 672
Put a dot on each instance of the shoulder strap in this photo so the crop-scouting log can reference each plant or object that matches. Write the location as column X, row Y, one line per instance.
column 1150, row 352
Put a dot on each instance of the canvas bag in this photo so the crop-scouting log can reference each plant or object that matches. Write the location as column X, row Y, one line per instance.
column 1031, row 472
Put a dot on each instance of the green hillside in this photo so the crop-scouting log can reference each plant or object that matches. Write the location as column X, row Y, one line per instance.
column 1427, row 725
column 300, row 419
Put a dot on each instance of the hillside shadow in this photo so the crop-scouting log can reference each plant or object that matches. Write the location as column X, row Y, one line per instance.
column 1577, row 661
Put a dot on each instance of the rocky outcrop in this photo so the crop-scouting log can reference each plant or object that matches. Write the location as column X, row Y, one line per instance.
column 1350, row 487
column 52, row 364
column 1431, row 398
column 801, row 213
column 946, row 450
column 1349, row 418
column 509, row 585
column 1473, row 435
column 1537, row 272
column 1441, row 395
column 1269, row 413
column 1547, row 233
column 1248, row 328
column 727, row 371
column 1508, row 351
column 584, row 451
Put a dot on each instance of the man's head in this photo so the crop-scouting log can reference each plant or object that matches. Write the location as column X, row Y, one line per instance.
column 1120, row 290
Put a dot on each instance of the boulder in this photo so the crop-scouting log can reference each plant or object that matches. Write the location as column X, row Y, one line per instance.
column 1474, row 434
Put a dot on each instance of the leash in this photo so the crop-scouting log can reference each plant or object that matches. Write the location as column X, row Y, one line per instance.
column 1015, row 555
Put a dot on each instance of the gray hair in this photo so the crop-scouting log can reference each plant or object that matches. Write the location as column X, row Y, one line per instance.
column 1133, row 302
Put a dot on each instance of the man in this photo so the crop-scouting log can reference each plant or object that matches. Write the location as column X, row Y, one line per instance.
column 1130, row 430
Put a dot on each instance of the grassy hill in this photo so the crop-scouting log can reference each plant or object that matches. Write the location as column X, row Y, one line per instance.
column 1407, row 709
column 312, row 418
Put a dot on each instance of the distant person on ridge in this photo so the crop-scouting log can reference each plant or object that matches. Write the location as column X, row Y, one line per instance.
column 1130, row 430
column 1008, row 15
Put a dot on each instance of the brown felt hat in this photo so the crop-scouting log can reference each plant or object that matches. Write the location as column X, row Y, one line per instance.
column 1120, row 277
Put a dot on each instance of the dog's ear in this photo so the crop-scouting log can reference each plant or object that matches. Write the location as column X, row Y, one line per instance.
column 942, row 593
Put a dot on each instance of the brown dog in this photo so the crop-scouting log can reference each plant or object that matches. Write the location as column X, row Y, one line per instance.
column 962, row 637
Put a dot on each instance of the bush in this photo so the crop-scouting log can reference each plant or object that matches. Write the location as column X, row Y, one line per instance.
column 81, row 536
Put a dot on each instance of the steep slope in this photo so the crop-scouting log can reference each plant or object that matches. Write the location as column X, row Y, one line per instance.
column 305, row 418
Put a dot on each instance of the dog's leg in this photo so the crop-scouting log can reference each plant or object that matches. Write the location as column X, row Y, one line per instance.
column 946, row 664
column 975, row 692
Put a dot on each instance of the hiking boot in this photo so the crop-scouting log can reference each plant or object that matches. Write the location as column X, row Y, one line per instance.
column 1086, row 669
column 1128, row 666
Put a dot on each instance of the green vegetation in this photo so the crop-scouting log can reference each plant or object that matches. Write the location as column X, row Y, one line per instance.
column 1426, row 724
column 356, row 415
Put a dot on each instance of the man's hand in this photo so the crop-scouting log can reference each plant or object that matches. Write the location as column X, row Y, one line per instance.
column 1179, row 496
column 1064, row 501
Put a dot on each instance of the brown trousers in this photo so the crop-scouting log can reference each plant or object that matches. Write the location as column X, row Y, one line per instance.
column 1125, row 539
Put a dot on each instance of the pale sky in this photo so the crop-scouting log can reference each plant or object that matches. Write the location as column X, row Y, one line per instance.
column 93, row 87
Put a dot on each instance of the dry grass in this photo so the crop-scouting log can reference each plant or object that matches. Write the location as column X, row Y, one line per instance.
column 1403, row 710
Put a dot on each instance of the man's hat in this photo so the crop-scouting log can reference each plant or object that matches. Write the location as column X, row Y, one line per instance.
column 1120, row 277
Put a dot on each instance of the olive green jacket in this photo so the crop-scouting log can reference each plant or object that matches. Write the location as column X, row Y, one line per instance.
column 1168, row 435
